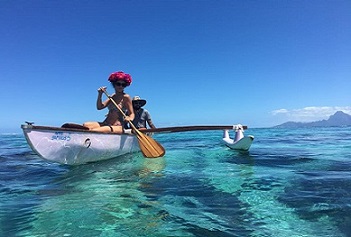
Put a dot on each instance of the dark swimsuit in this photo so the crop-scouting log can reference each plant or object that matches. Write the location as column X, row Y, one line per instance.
column 112, row 108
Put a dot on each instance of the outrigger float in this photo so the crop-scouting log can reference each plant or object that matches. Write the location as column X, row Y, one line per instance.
column 240, row 142
column 73, row 144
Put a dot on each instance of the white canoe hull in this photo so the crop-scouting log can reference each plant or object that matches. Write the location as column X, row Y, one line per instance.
column 74, row 147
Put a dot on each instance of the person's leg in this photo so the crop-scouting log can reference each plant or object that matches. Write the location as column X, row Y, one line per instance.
column 114, row 129
column 117, row 129
column 91, row 125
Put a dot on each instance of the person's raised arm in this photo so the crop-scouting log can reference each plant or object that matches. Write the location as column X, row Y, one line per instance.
column 99, row 104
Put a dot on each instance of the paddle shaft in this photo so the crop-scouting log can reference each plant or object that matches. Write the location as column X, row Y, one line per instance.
column 148, row 146
column 114, row 102
column 120, row 110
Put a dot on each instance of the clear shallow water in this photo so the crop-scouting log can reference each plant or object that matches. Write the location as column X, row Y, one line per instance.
column 291, row 183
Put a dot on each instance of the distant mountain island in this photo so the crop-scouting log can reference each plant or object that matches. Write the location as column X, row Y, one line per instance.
column 338, row 119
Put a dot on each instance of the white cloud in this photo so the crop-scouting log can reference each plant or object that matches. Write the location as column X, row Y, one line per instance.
column 280, row 111
column 309, row 114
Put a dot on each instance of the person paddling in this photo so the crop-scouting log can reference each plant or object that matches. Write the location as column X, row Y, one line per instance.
column 114, row 120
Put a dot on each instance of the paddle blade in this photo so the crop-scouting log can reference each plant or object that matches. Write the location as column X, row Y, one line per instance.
column 149, row 147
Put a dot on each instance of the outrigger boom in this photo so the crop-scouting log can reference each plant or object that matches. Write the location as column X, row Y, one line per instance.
column 191, row 128
column 240, row 142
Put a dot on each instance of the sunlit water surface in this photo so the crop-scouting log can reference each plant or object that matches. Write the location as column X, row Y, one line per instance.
column 291, row 183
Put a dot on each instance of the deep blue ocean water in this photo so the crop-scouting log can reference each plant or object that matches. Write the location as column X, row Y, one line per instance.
column 292, row 182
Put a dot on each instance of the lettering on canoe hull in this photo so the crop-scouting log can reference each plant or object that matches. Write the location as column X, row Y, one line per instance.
column 61, row 136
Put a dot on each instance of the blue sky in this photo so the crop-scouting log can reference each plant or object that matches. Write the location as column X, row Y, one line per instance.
column 258, row 63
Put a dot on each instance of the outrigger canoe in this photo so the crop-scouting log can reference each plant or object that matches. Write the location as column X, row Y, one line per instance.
column 71, row 144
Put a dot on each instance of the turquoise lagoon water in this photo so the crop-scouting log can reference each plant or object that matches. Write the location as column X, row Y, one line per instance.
column 291, row 183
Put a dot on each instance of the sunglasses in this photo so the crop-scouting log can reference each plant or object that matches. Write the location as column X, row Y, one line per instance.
column 119, row 84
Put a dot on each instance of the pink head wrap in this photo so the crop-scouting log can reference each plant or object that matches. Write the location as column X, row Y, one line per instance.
column 120, row 76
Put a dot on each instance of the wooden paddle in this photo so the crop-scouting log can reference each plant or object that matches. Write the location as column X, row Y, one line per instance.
column 148, row 146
